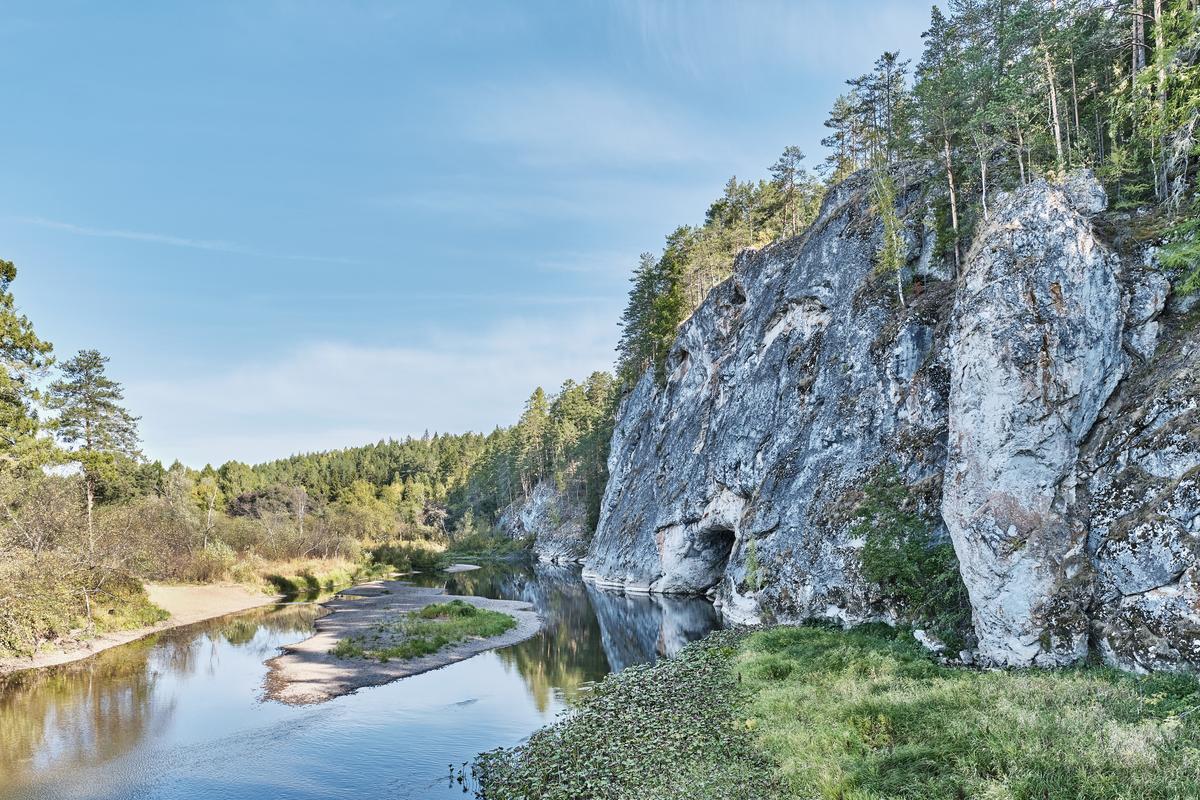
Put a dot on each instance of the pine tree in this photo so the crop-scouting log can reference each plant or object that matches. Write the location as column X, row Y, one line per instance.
column 26, row 358
column 92, row 422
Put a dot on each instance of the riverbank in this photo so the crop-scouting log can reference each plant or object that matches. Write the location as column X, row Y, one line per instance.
column 819, row 713
column 185, row 604
column 307, row 672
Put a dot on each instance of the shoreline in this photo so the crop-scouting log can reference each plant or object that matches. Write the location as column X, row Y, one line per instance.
column 305, row 673
column 186, row 603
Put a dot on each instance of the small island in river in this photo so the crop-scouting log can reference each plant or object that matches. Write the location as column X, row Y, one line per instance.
column 333, row 662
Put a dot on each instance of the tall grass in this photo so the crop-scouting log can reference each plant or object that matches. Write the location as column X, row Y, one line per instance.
column 863, row 715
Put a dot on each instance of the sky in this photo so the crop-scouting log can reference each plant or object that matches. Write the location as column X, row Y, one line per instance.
column 296, row 226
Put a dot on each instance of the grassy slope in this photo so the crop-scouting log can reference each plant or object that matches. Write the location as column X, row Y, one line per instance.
column 819, row 713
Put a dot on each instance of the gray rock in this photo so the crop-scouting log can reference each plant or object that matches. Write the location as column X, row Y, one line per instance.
column 794, row 380
column 1036, row 351
column 1144, row 501
column 556, row 522
column 1031, row 404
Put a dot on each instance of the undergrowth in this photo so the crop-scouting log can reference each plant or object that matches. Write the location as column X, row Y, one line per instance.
column 912, row 568
column 866, row 714
column 793, row 713
column 672, row 731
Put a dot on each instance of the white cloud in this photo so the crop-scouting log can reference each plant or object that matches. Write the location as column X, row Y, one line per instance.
column 332, row 394
column 214, row 245
column 564, row 123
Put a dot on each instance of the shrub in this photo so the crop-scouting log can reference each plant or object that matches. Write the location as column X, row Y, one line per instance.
column 909, row 565
column 212, row 562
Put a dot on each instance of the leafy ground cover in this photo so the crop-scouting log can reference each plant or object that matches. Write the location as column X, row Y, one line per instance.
column 673, row 731
column 811, row 712
column 424, row 632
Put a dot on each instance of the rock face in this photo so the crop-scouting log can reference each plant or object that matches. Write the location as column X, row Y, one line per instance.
column 557, row 524
column 1036, row 350
column 796, row 378
column 1021, row 403
column 1144, row 503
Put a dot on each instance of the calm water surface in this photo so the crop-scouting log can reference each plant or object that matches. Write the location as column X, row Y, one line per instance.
column 179, row 715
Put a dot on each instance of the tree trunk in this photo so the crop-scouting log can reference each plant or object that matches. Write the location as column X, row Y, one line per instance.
column 1021, row 154
column 953, row 201
column 90, row 486
column 1054, row 118
column 1075, row 95
column 1139, row 40
column 983, row 159
column 1160, row 59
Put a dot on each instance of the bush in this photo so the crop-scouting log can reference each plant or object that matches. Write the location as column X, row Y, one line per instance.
column 212, row 563
column 421, row 633
column 36, row 603
column 409, row 556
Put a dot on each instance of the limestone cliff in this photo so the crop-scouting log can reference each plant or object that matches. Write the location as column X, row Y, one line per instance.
column 556, row 523
column 1014, row 401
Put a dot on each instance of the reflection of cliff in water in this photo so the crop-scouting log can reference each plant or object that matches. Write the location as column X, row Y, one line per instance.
column 639, row 629
column 588, row 631
column 100, row 708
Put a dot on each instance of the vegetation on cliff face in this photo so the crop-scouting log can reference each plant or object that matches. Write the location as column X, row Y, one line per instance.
column 816, row 712
column 902, row 556
column 1005, row 91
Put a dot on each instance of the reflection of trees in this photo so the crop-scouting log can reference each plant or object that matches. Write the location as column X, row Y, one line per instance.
column 241, row 628
column 567, row 653
column 587, row 630
column 93, row 710
column 98, row 709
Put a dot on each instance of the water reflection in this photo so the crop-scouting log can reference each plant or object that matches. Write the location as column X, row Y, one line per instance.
column 178, row 715
column 99, row 709
column 589, row 632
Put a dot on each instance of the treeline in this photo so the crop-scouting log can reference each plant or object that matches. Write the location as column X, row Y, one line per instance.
column 1005, row 91
column 563, row 439
column 85, row 518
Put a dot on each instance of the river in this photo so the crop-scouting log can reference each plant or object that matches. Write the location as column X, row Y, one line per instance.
column 180, row 714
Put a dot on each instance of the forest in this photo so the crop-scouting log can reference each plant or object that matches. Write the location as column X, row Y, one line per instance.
column 1005, row 92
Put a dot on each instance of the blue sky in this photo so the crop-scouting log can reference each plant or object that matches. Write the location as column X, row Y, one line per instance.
column 305, row 225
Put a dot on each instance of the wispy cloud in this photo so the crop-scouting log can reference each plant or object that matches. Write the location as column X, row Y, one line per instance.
column 214, row 245
column 336, row 394
column 706, row 39
column 558, row 123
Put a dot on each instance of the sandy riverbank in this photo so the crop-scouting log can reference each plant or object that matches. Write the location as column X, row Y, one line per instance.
column 307, row 673
column 186, row 604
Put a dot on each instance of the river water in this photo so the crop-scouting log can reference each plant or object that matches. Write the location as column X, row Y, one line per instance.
column 180, row 715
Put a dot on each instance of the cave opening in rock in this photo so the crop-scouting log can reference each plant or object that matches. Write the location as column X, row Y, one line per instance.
column 712, row 548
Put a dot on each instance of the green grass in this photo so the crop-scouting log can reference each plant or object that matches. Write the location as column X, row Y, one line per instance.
column 814, row 712
column 866, row 715
column 424, row 632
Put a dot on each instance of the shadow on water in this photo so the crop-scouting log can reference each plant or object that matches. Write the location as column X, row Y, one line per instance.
column 178, row 715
